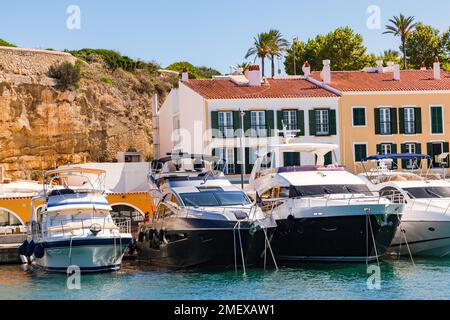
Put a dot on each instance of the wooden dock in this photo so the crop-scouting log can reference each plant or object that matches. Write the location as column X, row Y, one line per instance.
column 9, row 248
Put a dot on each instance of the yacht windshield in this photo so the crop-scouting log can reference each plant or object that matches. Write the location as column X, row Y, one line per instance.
column 214, row 198
column 429, row 192
column 316, row 190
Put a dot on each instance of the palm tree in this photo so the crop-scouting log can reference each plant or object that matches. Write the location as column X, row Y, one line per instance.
column 277, row 45
column 260, row 49
column 401, row 26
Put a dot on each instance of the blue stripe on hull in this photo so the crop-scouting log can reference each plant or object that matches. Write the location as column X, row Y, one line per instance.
column 86, row 269
column 86, row 242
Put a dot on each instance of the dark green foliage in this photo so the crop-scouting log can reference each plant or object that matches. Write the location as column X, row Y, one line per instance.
column 114, row 60
column 4, row 43
column 67, row 74
column 194, row 72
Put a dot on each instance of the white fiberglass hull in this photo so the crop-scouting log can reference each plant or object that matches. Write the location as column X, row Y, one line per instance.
column 89, row 254
column 423, row 238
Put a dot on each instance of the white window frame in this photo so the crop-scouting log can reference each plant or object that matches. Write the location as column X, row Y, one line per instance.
column 225, row 153
column 322, row 126
column 408, row 150
column 225, row 121
column 290, row 115
column 386, row 144
column 365, row 117
column 258, row 129
column 431, row 120
column 409, row 110
column 385, row 118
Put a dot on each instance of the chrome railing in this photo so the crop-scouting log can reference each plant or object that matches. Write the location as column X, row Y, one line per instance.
column 70, row 226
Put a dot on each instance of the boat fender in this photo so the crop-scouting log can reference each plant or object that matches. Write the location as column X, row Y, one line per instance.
column 141, row 236
column 30, row 248
column 39, row 251
column 23, row 259
column 23, row 248
column 155, row 243
column 132, row 246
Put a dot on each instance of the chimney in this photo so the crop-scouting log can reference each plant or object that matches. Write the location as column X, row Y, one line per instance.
column 423, row 66
column 185, row 75
column 436, row 69
column 397, row 72
column 379, row 65
column 326, row 72
column 253, row 75
column 306, row 69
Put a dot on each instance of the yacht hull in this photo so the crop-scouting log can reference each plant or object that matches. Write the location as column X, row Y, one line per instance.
column 195, row 242
column 422, row 238
column 90, row 255
column 356, row 238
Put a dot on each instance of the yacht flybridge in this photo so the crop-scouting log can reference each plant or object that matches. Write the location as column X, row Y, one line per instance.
column 74, row 227
column 425, row 226
column 322, row 211
column 201, row 218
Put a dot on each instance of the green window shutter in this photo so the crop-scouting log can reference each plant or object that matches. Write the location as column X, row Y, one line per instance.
column 280, row 117
column 332, row 117
column 418, row 148
column 214, row 123
column 360, row 152
column 418, row 120
column 359, row 116
column 436, row 120
column 379, row 148
column 248, row 165
column 237, row 160
column 430, row 152
column 377, row 120
column 403, row 150
column 301, row 122
column 328, row 158
column 270, row 125
column 247, row 123
column 394, row 121
column 401, row 116
column 237, row 123
column 445, row 149
column 312, row 122
column 394, row 150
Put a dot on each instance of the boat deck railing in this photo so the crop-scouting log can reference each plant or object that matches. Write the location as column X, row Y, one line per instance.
column 69, row 226
column 344, row 199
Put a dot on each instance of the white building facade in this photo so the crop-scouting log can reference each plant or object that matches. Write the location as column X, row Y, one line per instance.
column 207, row 117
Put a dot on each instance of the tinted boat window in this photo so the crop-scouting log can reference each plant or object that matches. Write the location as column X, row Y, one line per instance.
column 212, row 198
column 316, row 190
column 429, row 192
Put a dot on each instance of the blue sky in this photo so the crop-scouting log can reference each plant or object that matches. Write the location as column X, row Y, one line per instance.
column 203, row 32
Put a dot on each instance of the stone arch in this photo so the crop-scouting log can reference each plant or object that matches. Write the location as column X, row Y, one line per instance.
column 14, row 214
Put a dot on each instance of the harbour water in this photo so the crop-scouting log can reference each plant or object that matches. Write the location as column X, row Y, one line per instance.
column 400, row 279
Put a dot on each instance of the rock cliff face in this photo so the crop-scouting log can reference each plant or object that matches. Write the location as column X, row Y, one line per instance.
column 42, row 127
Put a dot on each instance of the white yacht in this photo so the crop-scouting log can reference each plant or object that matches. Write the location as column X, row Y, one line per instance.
column 425, row 226
column 322, row 211
column 74, row 227
column 201, row 218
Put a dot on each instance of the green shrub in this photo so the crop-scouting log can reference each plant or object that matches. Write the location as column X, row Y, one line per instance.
column 67, row 74
column 114, row 60
column 194, row 72
column 106, row 80
column 6, row 44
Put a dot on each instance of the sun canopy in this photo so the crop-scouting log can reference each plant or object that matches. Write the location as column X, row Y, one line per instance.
column 69, row 170
column 317, row 148
column 398, row 156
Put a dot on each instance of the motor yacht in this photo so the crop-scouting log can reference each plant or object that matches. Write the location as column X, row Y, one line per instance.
column 201, row 218
column 425, row 225
column 71, row 224
column 323, row 212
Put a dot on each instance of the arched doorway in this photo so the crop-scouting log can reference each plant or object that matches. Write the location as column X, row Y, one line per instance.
column 10, row 222
column 125, row 211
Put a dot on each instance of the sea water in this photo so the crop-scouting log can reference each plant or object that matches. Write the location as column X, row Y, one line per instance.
column 399, row 279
